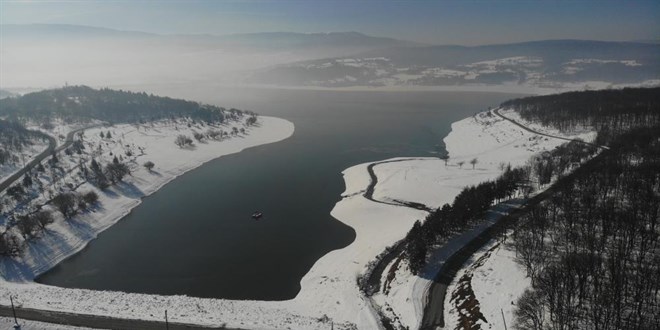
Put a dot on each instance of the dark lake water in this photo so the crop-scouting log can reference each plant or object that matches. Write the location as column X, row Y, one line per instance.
column 195, row 235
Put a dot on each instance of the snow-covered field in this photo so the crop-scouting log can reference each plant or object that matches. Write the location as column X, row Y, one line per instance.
column 7, row 323
column 496, row 281
column 329, row 290
column 493, row 142
column 145, row 143
column 388, row 85
column 26, row 155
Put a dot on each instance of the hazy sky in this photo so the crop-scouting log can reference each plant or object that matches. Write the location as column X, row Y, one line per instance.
column 437, row 22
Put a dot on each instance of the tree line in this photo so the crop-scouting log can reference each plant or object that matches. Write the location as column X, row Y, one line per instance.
column 13, row 138
column 612, row 111
column 593, row 249
column 468, row 207
column 82, row 103
column 68, row 203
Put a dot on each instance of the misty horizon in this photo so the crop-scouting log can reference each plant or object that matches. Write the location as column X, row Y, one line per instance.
column 437, row 23
column 329, row 32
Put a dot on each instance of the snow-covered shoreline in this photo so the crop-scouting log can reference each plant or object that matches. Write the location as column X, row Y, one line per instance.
column 511, row 88
column 330, row 287
column 171, row 161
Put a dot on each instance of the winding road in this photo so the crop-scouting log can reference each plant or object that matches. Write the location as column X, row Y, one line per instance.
column 433, row 317
column 52, row 147
column 369, row 193
column 497, row 112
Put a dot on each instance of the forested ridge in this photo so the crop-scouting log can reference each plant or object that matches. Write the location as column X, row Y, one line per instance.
column 615, row 110
column 592, row 249
column 13, row 138
column 82, row 103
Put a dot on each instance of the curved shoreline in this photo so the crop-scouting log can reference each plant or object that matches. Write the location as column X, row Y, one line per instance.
column 27, row 270
column 369, row 193
column 329, row 287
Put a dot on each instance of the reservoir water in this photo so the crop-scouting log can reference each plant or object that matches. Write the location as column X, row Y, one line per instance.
column 195, row 236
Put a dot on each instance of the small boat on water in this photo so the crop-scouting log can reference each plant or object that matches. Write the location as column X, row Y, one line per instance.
column 257, row 215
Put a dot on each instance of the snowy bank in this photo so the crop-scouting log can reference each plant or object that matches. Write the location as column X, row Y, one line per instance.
column 65, row 238
column 329, row 290
column 497, row 281
column 494, row 142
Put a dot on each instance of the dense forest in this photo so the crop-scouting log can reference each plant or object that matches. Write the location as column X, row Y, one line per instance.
column 13, row 138
column 82, row 103
column 593, row 249
column 615, row 110
column 470, row 205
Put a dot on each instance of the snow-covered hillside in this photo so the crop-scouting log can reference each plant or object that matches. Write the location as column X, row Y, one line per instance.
column 329, row 290
column 494, row 142
column 556, row 65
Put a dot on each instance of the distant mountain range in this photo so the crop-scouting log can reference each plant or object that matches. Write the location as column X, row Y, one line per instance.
column 539, row 63
column 44, row 54
column 331, row 44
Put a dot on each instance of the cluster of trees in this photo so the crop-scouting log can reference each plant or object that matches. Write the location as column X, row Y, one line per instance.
column 84, row 103
column 103, row 177
column 9, row 244
column 183, row 141
column 70, row 203
column 472, row 202
column 593, row 249
column 561, row 160
column 31, row 224
column 468, row 207
column 605, row 110
column 107, row 135
column 13, row 138
column 251, row 120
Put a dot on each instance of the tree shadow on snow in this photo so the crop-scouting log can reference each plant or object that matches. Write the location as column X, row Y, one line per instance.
column 128, row 190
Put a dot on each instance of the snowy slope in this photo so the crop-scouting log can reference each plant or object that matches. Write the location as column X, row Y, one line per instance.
column 496, row 281
column 329, row 290
column 493, row 142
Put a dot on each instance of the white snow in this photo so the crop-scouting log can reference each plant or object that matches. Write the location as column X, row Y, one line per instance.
column 497, row 283
column 508, row 61
column 8, row 323
column 330, row 287
column 26, row 155
column 579, row 61
column 490, row 139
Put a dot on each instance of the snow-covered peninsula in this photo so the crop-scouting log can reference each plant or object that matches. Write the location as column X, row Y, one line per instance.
column 329, row 291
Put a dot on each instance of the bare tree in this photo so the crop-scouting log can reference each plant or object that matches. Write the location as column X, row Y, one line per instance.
column 9, row 245
column 90, row 197
column 198, row 136
column 149, row 165
column 116, row 171
column 43, row 218
column 530, row 313
column 66, row 203
column 182, row 141
column 27, row 225
column 445, row 158
column 473, row 162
